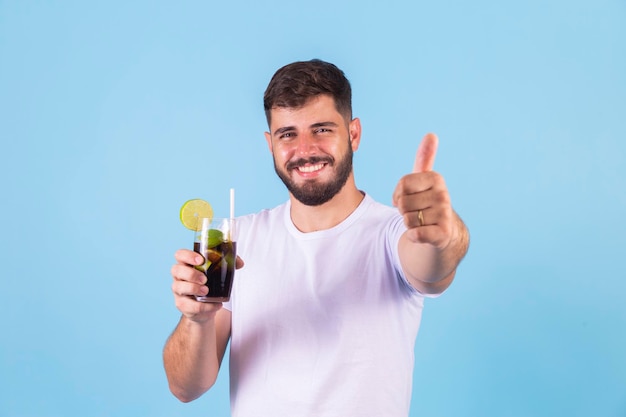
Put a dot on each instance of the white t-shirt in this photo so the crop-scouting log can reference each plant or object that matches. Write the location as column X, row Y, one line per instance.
column 323, row 323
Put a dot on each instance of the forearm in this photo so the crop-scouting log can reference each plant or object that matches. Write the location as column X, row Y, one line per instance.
column 191, row 359
column 431, row 269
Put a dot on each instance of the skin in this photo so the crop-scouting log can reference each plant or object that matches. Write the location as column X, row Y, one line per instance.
column 429, row 253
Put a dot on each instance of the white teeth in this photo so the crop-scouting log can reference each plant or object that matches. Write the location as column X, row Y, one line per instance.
column 311, row 168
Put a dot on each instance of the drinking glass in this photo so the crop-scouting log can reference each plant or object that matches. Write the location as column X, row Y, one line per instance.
column 215, row 240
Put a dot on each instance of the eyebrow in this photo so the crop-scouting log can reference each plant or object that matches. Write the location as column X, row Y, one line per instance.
column 285, row 129
column 282, row 130
column 323, row 124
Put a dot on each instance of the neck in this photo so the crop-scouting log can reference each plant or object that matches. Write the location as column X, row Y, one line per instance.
column 330, row 214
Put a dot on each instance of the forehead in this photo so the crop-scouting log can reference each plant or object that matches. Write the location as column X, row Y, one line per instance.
column 315, row 110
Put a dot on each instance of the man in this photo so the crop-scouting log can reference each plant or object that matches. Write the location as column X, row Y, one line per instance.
column 324, row 314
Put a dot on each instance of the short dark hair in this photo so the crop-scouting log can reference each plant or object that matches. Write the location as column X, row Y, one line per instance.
column 296, row 83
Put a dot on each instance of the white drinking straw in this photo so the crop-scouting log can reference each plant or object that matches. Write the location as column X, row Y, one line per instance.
column 232, row 203
column 232, row 213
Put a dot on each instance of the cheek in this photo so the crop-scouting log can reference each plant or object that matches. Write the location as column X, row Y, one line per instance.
column 282, row 153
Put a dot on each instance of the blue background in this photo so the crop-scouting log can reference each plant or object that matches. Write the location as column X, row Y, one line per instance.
column 112, row 114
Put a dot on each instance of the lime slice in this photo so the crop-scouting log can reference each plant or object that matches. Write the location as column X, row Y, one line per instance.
column 215, row 238
column 193, row 210
column 211, row 256
column 204, row 267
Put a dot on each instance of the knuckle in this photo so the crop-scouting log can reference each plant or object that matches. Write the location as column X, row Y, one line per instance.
column 182, row 304
column 437, row 178
column 442, row 197
column 409, row 221
column 404, row 185
column 174, row 271
column 184, row 256
column 401, row 204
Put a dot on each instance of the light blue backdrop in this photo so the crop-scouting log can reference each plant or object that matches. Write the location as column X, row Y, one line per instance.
column 111, row 114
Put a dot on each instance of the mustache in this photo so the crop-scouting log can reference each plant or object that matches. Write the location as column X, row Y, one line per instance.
column 312, row 160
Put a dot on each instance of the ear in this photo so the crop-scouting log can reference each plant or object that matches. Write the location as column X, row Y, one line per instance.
column 355, row 133
column 268, row 139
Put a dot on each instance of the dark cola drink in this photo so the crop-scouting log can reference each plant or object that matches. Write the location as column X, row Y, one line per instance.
column 219, row 268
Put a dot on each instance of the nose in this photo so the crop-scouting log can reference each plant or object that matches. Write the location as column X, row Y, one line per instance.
column 305, row 144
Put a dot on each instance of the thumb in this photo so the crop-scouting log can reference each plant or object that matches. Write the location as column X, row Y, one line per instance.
column 425, row 157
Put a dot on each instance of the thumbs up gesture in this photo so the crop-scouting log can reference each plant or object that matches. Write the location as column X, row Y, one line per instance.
column 423, row 200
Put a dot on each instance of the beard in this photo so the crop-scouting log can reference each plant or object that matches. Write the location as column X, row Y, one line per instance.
column 313, row 192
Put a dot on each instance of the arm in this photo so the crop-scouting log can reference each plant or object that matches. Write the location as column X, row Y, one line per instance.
column 436, row 239
column 193, row 353
column 428, row 268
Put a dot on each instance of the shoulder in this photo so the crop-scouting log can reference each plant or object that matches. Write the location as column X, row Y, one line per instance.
column 263, row 215
column 379, row 212
column 387, row 220
column 261, row 221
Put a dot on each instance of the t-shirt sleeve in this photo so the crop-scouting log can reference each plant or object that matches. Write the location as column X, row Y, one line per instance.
column 395, row 230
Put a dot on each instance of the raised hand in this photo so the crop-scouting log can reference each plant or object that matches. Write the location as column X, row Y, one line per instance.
column 423, row 200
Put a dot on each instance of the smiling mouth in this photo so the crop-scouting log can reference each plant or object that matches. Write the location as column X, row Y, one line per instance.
column 309, row 165
column 310, row 168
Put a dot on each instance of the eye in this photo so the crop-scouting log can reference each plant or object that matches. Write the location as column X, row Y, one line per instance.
column 286, row 135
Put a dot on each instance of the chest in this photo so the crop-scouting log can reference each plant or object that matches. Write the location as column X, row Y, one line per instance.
column 343, row 266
